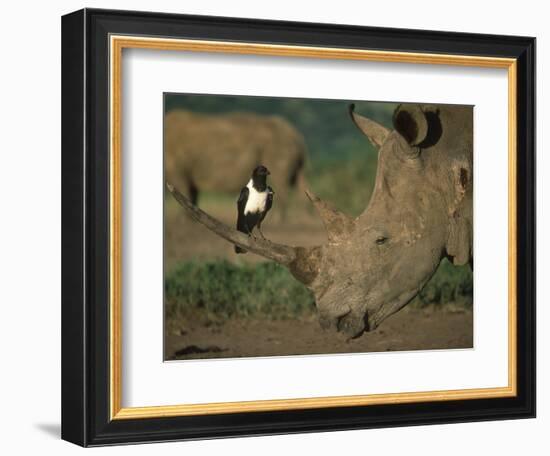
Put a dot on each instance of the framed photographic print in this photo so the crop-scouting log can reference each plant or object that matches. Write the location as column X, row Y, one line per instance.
column 275, row 227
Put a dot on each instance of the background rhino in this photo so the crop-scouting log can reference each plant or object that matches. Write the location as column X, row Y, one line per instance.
column 419, row 213
column 207, row 152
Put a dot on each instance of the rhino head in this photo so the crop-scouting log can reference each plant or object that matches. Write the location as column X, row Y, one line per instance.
column 420, row 211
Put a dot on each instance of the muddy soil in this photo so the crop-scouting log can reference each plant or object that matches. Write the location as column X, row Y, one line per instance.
column 410, row 329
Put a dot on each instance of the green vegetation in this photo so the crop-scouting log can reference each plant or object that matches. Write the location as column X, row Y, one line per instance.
column 218, row 290
column 449, row 285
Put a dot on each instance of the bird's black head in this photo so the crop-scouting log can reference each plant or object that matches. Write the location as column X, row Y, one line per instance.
column 260, row 170
column 259, row 176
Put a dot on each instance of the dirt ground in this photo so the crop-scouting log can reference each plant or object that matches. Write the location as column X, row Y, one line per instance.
column 410, row 329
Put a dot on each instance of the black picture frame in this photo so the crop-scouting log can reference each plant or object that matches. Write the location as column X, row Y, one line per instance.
column 85, row 228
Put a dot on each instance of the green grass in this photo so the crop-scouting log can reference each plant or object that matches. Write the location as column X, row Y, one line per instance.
column 218, row 290
column 449, row 285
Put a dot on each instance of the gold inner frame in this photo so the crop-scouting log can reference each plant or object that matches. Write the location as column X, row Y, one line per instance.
column 117, row 44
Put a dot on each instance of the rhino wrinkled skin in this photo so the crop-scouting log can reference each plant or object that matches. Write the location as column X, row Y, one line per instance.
column 420, row 211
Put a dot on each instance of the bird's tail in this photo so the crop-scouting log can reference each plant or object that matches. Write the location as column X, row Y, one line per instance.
column 242, row 229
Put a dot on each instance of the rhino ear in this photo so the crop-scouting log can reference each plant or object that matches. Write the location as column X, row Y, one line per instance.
column 411, row 123
column 459, row 241
column 376, row 133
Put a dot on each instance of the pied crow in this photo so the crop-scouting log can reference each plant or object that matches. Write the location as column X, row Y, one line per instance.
column 254, row 203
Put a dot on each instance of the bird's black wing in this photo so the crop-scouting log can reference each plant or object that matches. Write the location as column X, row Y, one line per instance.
column 241, row 204
column 241, row 219
column 268, row 202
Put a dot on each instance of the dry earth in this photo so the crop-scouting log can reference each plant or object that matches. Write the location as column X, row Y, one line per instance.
column 407, row 330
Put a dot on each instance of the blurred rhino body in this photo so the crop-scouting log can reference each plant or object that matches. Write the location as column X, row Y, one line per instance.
column 209, row 152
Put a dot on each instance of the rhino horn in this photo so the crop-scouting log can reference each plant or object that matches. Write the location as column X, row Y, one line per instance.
column 375, row 132
column 338, row 225
column 303, row 262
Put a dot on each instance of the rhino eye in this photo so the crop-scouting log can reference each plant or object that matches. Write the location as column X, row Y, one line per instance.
column 381, row 240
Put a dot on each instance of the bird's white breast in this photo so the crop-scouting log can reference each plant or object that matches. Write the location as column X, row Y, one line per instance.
column 256, row 200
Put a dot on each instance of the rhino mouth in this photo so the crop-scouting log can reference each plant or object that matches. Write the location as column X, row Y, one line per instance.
column 353, row 323
column 354, row 326
column 350, row 324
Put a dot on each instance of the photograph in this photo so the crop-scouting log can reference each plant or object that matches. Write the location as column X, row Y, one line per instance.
column 297, row 226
